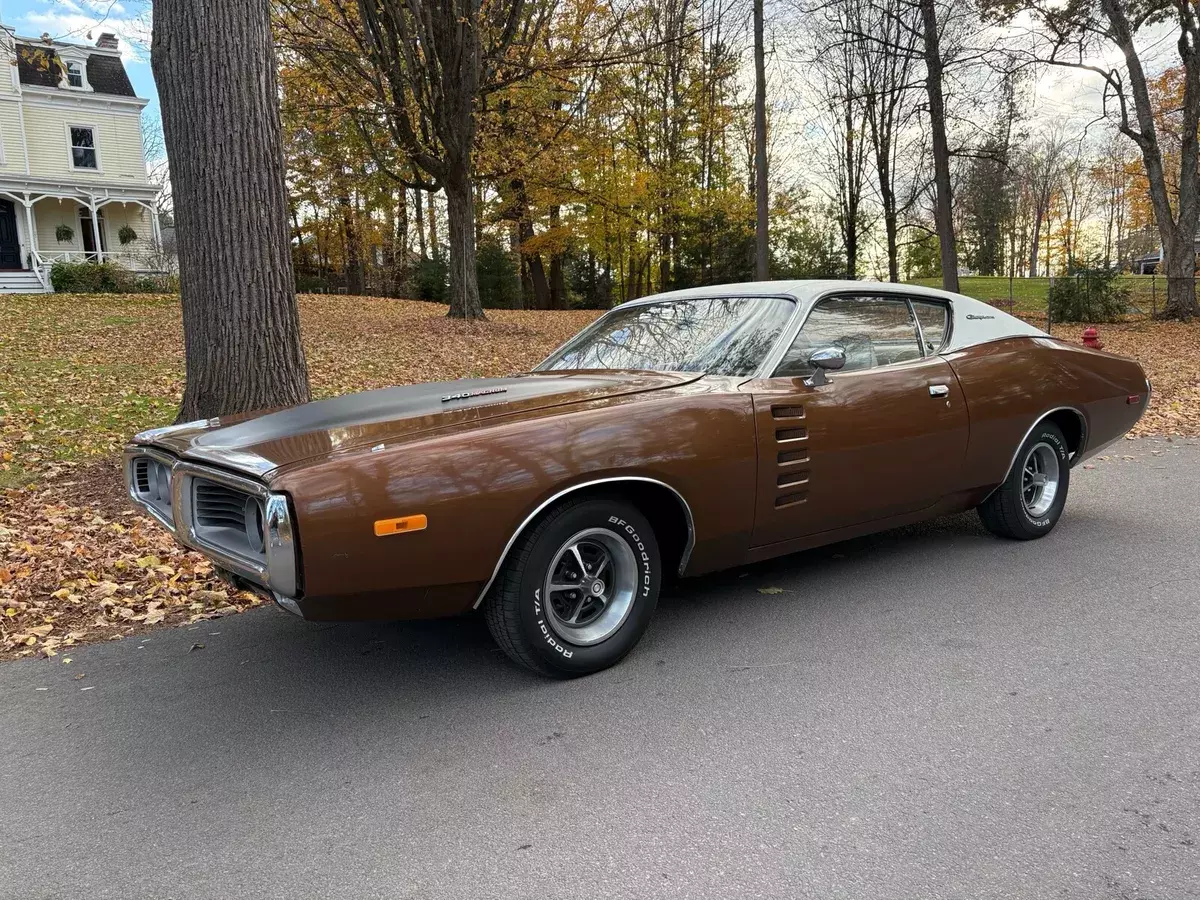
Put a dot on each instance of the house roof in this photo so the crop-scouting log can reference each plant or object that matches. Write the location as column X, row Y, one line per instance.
column 106, row 75
column 40, row 66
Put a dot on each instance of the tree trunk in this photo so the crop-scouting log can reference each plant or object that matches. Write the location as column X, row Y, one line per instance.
column 400, row 271
column 1033, row 246
column 558, row 284
column 354, row 268
column 214, row 64
column 420, row 214
column 890, row 224
column 464, row 287
column 1178, row 234
column 435, row 250
column 944, row 210
column 762, row 246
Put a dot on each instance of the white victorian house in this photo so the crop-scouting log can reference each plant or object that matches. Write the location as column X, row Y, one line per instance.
column 73, row 180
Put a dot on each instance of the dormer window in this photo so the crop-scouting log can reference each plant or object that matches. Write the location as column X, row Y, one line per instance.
column 75, row 75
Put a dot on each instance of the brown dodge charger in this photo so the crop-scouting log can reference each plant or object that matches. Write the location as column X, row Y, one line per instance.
column 676, row 435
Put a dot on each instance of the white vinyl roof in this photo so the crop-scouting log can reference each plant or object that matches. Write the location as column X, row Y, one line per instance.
column 974, row 322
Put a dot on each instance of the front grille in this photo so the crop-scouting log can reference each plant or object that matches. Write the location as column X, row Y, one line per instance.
column 152, row 484
column 227, row 518
column 220, row 507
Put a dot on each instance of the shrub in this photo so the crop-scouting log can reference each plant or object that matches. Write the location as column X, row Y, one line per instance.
column 431, row 280
column 97, row 278
column 499, row 284
column 1088, row 294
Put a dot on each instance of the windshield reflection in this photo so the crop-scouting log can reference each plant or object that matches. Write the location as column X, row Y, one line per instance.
column 715, row 335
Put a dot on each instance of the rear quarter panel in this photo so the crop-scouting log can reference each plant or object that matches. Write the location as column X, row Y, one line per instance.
column 1010, row 384
column 477, row 485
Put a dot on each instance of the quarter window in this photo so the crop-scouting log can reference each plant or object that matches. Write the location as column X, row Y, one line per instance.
column 871, row 331
column 74, row 75
column 935, row 323
column 83, row 147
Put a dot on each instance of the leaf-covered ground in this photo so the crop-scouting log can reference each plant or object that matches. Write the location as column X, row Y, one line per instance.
column 80, row 374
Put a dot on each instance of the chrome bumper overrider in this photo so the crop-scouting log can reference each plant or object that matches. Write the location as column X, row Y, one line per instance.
column 276, row 572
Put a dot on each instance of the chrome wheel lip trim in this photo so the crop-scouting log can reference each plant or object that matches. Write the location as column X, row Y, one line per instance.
column 1083, row 453
column 1040, row 476
column 620, row 588
column 687, row 511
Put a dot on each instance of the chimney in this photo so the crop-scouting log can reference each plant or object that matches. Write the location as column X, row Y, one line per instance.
column 108, row 41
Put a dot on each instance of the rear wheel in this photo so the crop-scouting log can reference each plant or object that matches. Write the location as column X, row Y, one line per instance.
column 1030, row 501
column 577, row 591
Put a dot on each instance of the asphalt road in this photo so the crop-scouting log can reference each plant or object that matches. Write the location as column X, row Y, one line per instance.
column 928, row 713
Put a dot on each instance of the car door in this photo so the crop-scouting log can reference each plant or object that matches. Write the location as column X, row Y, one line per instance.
column 884, row 436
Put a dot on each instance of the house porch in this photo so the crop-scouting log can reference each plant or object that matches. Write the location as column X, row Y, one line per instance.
column 41, row 225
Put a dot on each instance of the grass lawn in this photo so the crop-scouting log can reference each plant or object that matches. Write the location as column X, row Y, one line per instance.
column 80, row 374
column 1029, row 294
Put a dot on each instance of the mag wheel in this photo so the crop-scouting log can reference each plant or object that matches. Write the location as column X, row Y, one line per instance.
column 577, row 591
column 1030, row 501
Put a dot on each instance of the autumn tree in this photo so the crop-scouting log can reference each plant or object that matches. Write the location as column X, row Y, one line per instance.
column 1075, row 35
column 762, row 240
column 423, row 68
column 886, row 35
column 935, row 93
column 214, row 65
column 840, row 80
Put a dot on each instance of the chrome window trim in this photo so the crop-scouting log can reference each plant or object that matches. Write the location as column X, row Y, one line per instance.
column 852, row 292
column 947, row 332
column 687, row 510
column 279, row 573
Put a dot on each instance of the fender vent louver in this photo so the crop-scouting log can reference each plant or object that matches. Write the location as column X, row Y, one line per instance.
column 788, row 479
column 785, row 435
column 792, row 478
column 787, row 412
column 785, row 500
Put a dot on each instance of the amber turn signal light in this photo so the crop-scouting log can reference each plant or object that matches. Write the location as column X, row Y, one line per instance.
column 399, row 526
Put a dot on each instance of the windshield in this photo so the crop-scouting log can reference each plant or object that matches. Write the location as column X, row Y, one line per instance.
column 715, row 335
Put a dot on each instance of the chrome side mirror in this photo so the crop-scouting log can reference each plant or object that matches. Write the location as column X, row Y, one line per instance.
column 827, row 359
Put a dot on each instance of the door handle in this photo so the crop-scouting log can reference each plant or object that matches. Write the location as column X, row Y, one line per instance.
column 939, row 390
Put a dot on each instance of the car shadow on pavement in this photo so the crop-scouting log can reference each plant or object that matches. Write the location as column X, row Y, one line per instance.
column 251, row 689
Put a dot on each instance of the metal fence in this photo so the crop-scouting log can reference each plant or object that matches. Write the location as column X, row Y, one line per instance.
column 1143, row 296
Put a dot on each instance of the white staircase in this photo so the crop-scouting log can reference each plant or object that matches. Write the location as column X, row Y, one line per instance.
column 25, row 282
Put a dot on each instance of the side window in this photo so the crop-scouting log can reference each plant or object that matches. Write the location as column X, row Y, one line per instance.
column 935, row 323
column 83, row 147
column 872, row 331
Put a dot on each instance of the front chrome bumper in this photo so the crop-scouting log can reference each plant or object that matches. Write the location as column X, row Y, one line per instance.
column 276, row 571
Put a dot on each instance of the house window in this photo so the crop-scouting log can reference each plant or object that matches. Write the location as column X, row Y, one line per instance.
column 74, row 75
column 83, row 147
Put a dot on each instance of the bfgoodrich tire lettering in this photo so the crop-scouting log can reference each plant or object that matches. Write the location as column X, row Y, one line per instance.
column 536, row 617
column 1030, row 501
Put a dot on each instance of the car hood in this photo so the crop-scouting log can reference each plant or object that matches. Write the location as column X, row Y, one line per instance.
column 262, row 442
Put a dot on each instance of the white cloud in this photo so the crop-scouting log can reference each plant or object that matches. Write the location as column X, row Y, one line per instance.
column 74, row 20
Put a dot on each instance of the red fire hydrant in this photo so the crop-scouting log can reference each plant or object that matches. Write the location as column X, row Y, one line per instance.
column 1091, row 338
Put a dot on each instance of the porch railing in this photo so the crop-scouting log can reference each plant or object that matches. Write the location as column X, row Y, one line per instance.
column 145, row 259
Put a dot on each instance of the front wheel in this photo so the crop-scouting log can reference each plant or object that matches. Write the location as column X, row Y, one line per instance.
column 1031, row 499
column 578, row 590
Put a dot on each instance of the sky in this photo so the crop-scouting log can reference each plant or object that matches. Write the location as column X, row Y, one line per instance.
column 71, row 20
